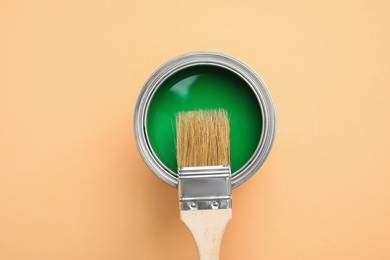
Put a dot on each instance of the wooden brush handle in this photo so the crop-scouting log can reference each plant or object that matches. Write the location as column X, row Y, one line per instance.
column 207, row 228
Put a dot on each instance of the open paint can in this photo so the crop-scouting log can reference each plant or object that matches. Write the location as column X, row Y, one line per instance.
column 205, row 80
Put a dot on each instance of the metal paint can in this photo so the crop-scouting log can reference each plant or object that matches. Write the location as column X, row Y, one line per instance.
column 201, row 61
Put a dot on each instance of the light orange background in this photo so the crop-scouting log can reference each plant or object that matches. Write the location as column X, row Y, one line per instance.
column 73, row 186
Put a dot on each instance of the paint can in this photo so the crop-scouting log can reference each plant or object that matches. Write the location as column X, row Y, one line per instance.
column 205, row 80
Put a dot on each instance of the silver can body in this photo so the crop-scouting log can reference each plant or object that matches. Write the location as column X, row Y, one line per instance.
column 212, row 59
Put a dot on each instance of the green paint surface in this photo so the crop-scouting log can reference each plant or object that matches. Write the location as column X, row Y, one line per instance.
column 205, row 87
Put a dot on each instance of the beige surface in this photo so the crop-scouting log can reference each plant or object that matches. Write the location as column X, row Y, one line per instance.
column 73, row 186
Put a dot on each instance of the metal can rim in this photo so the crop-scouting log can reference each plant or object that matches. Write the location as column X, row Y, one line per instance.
column 205, row 58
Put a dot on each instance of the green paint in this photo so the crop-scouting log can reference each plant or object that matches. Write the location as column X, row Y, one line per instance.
column 205, row 87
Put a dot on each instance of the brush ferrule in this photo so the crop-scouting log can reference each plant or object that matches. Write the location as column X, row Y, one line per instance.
column 205, row 187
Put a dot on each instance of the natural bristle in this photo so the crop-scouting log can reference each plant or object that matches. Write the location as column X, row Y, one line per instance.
column 202, row 138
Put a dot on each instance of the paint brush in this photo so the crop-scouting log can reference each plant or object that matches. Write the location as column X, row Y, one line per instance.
column 202, row 151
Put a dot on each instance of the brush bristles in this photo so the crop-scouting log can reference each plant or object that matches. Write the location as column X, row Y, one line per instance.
column 202, row 138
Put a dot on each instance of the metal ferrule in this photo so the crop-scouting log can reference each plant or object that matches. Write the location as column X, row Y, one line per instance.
column 205, row 187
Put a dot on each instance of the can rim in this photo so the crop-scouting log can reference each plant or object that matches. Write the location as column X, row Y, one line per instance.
column 214, row 59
